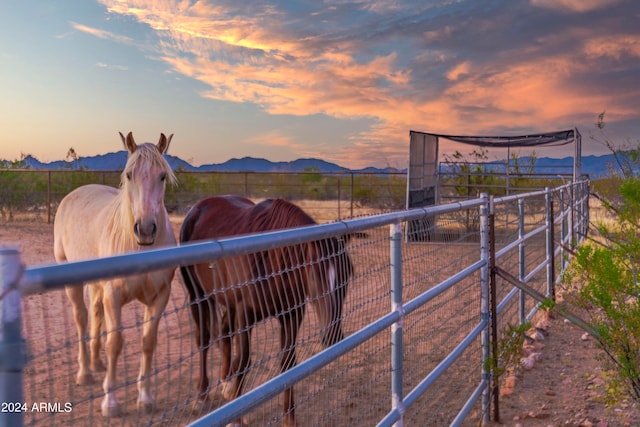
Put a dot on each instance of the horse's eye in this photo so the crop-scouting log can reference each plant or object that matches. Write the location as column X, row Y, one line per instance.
column 128, row 176
column 163, row 177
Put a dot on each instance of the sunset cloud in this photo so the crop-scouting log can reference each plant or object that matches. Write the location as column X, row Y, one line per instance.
column 574, row 5
column 436, row 67
column 101, row 33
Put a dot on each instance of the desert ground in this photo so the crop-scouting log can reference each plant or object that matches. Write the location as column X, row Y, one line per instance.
column 565, row 386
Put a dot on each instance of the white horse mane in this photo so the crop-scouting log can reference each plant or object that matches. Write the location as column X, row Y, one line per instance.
column 120, row 225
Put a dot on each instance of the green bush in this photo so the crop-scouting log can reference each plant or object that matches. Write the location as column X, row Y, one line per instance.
column 608, row 272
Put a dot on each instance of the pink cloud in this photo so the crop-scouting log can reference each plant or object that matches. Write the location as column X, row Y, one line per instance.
column 249, row 56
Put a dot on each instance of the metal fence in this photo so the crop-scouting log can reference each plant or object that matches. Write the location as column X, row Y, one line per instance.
column 419, row 319
column 34, row 195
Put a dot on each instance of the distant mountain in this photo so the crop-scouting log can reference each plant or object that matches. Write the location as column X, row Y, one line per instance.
column 117, row 161
column 594, row 166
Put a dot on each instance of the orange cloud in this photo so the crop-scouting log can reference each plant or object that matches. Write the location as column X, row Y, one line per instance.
column 250, row 57
column 613, row 46
column 101, row 33
column 574, row 5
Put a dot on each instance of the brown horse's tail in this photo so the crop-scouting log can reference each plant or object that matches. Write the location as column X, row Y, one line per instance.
column 196, row 292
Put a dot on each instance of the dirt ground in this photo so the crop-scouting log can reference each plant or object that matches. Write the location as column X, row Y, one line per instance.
column 565, row 387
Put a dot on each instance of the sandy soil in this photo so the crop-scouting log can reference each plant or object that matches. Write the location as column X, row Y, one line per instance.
column 565, row 387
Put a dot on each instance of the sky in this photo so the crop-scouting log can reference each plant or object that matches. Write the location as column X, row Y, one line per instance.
column 336, row 80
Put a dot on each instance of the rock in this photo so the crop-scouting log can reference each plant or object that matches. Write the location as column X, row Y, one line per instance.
column 510, row 381
column 527, row 363
column 506, row 391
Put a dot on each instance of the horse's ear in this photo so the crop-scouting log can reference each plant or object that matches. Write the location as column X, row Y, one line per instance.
column 128, row 142
column 163, row 143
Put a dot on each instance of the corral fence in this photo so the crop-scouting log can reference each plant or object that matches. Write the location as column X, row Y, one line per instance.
column 34, row 195
column 423, row 318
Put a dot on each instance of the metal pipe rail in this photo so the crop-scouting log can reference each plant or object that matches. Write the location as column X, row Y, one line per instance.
column 16, row 281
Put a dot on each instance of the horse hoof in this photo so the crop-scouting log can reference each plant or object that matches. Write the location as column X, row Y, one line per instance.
column 201, row 403
column 110, row 411
column 145, row 407
column 84, row 379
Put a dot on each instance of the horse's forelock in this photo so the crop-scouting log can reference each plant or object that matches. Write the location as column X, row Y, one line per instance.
column 148, row 154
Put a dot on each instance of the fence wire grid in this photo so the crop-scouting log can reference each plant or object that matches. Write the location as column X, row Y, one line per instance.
column 442, row 318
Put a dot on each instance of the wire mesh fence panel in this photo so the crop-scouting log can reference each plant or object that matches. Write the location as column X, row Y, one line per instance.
column 291, row 298
column 34, row 195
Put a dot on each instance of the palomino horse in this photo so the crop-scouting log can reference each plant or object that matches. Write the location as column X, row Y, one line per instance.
column 97, row 221
column 250, row 288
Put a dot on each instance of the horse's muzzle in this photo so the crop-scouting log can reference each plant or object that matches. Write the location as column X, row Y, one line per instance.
column 145, row 232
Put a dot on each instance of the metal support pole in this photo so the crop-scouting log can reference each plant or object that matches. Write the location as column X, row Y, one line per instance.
column 551, row 290
column 572, row 212
column 586, row 212
column 563, row 229
column 396, row 328
column 49, row 197
column 351, row 197
column 484, row 305
column 521, row 259
column 493, row 310
column 12, row 346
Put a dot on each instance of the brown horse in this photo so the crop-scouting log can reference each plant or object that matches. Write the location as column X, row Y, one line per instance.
column 250, row 288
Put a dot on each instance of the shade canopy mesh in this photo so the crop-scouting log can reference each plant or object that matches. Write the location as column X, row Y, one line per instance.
column 549, row 139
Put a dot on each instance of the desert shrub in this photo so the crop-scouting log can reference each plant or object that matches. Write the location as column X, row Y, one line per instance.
column 472, row 174
column 606, row 270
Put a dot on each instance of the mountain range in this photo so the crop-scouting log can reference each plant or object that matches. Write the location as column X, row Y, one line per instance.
column 594, row 166
column 117, row 161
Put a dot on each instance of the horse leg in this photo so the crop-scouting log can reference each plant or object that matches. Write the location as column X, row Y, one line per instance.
column 76, row 296
column 97, row 320
column 113, row 346
column 242, row 360
column 202, row 317
column 289, row 325
column 226, row 328
column 152, row 314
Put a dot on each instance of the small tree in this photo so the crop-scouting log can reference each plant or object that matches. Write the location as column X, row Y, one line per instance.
column 607, row 268
column 473, row 174
column 13, row 186
column 626, row 155
column 72, row 155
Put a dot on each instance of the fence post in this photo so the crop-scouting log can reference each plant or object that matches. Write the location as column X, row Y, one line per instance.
column 339, row 197
column 521, row 260
column 352, row 196
column 583, row 209
column 484, row 305
column 572, row 212
column 563, row 228
column 396, row 328
column 12, row 348
column 551, row 290
column 49, row 196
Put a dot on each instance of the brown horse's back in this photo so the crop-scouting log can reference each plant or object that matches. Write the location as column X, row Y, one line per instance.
column 223, row 216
